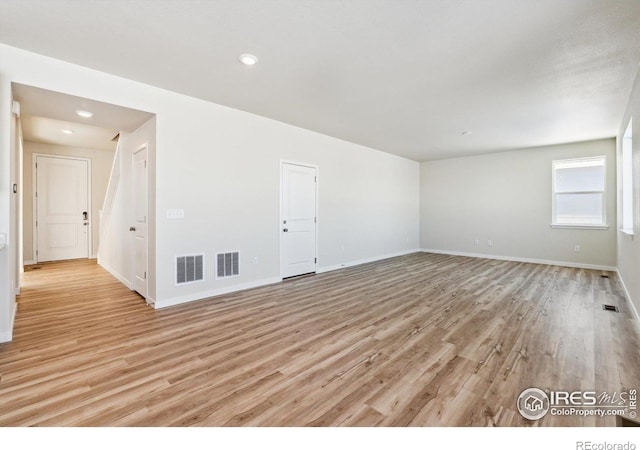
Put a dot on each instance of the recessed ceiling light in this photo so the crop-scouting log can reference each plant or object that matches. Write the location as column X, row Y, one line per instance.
column 65, row 131
column 464, row 133
column 83, row 113
column 248, row 59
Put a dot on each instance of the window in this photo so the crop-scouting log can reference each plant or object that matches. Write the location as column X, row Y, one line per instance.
column 578, row 193
column 627, row 181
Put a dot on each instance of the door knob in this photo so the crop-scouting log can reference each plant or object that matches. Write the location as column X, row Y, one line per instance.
column 85, row 215
column 132, row 228
column 285, row 230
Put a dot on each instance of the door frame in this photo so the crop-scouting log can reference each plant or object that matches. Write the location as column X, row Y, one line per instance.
column 317, row 209
column 144, row 146
column 34, row 200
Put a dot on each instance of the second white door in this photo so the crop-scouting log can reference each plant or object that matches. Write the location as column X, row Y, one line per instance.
column 62, row 208
column 139, row 227
column 298, row 220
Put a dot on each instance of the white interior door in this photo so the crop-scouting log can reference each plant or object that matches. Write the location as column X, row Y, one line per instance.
column 139, row 227
column 62, row 208
column 298, row 220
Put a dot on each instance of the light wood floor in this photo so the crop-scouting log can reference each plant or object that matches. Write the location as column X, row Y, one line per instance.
column 418, row 340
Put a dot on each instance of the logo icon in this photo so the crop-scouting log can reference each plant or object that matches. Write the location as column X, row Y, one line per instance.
column 533, row 404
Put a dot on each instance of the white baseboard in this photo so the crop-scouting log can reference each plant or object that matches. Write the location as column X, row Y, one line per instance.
column 213, row 293
column 265, row 282
column 93, row 256
column 119, row 277
column 365, row 261
column 7, row 336
column 629, row 299
column 13, row 315
column 28, row 263
column 524, row 260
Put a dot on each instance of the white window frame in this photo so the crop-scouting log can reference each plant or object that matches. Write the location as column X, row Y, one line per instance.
column 627, row 186
column 554, row 223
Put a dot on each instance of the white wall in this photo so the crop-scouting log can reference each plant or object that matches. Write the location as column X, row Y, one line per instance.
column 222, row 167
column 116, row 248
column 19, row 168
column 506, row 198
column 629, row 246
column 10, row 161
column 101, row 161
column 224, row 172
column 18, row 158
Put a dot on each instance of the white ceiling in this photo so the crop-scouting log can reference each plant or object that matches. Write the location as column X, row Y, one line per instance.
column 46, row 113
column 56, row 105
column 403, row 76
column 49, row 131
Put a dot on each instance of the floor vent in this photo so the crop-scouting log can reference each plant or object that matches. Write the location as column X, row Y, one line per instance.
column 604, row 276
column 189, row 269
column 612, row 308
column 228, row 265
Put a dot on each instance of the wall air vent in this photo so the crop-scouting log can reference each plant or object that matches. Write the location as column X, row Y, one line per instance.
column 189, row 269
column 228, row 265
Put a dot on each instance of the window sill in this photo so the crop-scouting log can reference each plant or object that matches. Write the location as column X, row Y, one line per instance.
column 579, row 227
column 627, row 232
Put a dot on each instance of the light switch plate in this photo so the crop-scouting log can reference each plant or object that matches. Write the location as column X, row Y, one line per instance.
column 175, row 213
column 3, row 240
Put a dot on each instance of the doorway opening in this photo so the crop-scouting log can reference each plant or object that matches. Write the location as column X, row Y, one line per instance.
column 80, row 191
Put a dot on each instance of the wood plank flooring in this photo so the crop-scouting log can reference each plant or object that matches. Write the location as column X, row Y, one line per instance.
column 419, row 340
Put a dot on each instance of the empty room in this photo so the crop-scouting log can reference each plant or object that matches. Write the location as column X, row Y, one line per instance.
column 320, row 213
